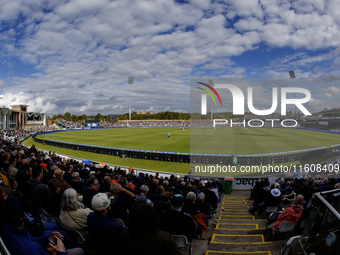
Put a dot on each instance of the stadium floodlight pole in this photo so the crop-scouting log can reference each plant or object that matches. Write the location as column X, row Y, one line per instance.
column 211, row 83
column 292, row 76
column 130, row 82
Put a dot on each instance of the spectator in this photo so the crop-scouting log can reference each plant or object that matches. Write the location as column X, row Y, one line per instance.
column 53, row 199
column 89, row 191
column 23, row 175
column 77, row 183
column 142, row 197
column 68, row 174
column 5, row 162
column 164, row 204
column 190, row 207
column 12, row 171
column 204, row 206
column 105, row 186
column 145, row 235
column 59, row 174
column 157, row 196
column 120, row 204
column 130, row 184
column 273, row 199
column 19, row 241
column 37, row 189
column 291, row 213
column 195, row 211
column 33, row 150
column 3, row 216
column 104, row 234
column 72, row 214
column 210, row 196
column 176, row 222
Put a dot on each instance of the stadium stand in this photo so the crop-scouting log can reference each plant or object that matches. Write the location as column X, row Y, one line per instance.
column 164, row 194
column 40, row 168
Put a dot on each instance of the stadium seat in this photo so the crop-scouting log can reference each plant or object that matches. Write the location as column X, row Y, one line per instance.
column 75, row 235
column 3, row 248
column 119, row 221
column 285, row 228
column 270, row 209
column 182, row 243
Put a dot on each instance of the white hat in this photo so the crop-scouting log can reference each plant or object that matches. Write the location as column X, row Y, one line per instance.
column 276, row 192
column 100, row 202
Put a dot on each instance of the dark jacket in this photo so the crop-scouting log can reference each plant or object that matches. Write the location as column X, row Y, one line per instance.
column 178, row 223
column 37, row 191
column 88, row 195
column 103, row 233
column 156, row 243
column 20, row 242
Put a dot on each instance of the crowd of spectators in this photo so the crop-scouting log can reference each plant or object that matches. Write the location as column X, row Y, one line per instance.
column 17, row 135
column 69, row 124
column 42, row 191
column 287, row 200
column 153, row 123
column 181, row 123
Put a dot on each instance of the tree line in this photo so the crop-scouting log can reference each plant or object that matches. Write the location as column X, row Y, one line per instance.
column 134, row 116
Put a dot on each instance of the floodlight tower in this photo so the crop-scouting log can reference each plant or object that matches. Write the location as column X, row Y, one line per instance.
column 292, row 76
column 130, row 82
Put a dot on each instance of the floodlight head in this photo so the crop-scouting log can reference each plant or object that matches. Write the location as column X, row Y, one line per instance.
column 131, row 80
column 292, row 74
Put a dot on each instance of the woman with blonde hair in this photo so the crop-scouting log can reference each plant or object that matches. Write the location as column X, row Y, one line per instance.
column 72, row 214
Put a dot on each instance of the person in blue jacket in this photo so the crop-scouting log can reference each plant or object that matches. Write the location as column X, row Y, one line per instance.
column 19, row 241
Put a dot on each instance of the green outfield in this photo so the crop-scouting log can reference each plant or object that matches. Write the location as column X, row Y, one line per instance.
column 220, row 140
column 201, row 140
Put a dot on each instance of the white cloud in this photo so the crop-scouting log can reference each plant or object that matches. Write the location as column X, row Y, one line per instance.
column 82, row 51
column 331, row 91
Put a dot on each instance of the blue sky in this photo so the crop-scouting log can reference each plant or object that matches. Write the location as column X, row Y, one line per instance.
column 76, row 56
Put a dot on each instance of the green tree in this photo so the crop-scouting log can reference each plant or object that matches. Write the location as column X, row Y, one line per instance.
column 67, row 116
column 98, row 116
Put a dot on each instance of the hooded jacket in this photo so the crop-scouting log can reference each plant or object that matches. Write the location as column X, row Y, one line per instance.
column 290, row 214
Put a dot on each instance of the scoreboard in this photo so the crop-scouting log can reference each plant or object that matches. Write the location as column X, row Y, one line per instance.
column 92, row 123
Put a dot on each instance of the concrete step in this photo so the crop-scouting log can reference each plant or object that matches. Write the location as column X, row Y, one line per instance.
column 237, row 232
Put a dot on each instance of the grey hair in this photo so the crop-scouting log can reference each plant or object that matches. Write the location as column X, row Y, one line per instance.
column 201, row 196
column 70, row 201
column 75, row 174
column 144, row 188
column 114, row 188
column 191, row 197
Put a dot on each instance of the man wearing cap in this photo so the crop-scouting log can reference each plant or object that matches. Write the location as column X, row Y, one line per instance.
column 103, row 233
column 175, row 221
column 59, row 174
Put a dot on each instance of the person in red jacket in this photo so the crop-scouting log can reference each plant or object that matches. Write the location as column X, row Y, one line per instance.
column 291, row 213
